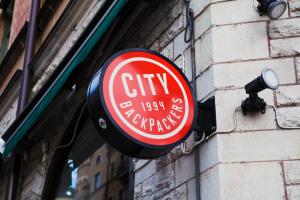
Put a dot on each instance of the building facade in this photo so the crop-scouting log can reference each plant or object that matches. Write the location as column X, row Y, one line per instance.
column 51, row 150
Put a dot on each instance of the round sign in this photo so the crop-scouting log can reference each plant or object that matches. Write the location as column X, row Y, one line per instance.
column 147, row 100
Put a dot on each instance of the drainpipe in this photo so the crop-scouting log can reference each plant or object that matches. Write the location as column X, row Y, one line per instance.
column 15, row 161
column 29, row 51
column 189, row 36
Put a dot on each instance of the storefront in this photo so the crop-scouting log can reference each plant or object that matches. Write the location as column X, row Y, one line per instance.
column 137, row 99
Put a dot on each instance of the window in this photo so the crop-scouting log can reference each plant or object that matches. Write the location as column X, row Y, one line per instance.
column 80, row 172
column 121, row 195
column 98, row 159
column 7, row 18
column 97, row 181
column 112, row 169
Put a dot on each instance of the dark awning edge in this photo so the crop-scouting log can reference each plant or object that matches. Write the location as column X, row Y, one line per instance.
column 20, row 127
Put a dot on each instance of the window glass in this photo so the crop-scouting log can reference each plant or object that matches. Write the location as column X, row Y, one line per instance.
column 88, row 173
column 121, row 195
column 98, row 160
column 97, row 181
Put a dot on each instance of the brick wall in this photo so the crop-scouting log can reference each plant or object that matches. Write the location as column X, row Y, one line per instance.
column 20, row 16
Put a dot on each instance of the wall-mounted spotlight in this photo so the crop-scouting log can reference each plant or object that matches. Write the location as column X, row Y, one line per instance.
column 267, row 79
column 273, row 8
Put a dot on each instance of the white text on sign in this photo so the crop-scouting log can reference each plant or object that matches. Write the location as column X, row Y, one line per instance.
column 140, row 79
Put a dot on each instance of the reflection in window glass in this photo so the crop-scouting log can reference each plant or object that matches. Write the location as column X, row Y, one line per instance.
column 98, row 160
column 121, row 195
column 97, row 181
column 83, row 179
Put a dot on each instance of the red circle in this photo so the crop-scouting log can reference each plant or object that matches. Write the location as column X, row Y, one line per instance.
column 148, row 98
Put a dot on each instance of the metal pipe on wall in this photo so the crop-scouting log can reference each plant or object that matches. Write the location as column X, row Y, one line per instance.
column 15, row 160
column 189, row 36
column 29, row 52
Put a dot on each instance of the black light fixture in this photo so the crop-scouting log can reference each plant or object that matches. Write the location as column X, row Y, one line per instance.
column 267, row 79
column 273, row 8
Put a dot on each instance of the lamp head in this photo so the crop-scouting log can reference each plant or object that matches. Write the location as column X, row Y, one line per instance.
column 273, row 8
column 267, row 79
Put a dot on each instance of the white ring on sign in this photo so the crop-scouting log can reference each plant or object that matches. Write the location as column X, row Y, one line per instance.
column 111, row 96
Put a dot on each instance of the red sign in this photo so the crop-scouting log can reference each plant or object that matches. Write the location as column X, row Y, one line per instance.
column 148, row 97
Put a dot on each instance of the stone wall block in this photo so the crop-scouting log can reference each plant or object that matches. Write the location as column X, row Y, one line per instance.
column 155, row 46
column 30, row 196
column 180, row 45
column 138, row 192
column 256, row 121
column 240, row 11
column 259, row 146
column 203, row 22
column 179, row 62
column 161, row 20
column 209, row 155
column 240, row 42
column 160, row 184
column 297, row 62
column 144, row 170
column 292, row 171
column 168, row 51
column 8, row 117
column 285, row 47
column 176, row 27
column 293, row 192
column 289, row 116
column 232, row 43
column 204, row 52
column 34, row 187
column 184, row 168
column 210, row 184
column 250, row 181
column 294, row 8
column 179, row 193
column 284, row 28
column 163, row 161
column 191, row 188
column 188, row 64
column 205, row 84
column 288, row 95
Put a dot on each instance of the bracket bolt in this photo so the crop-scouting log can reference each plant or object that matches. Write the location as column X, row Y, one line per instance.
column 102, row 123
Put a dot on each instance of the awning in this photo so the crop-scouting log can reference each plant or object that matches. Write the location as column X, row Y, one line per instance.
column 25, row 121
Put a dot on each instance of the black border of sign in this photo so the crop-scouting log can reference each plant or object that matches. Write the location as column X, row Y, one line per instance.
column 157, row 147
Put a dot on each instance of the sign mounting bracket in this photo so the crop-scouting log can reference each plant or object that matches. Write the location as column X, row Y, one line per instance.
column 206, row 119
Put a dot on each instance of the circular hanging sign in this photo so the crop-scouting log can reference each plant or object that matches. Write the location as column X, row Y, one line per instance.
column 142, row 103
